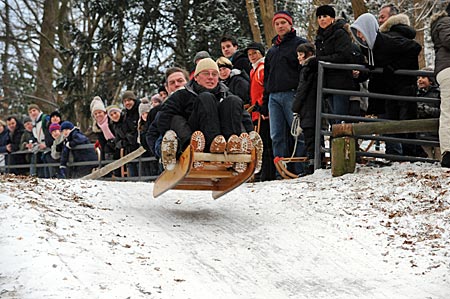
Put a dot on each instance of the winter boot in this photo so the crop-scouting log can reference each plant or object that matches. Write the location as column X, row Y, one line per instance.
column 218, row 145
column 246, row 143
column 198, row 145
column 234, row 145
column 258, row 144
column 169, row 147
column 198, row 141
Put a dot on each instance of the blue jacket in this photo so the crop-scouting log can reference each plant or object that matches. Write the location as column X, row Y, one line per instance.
column 77, row 138
column 4, row 140
column 281, row 69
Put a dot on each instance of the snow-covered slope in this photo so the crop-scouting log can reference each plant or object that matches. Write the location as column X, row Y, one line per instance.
column 378, row 233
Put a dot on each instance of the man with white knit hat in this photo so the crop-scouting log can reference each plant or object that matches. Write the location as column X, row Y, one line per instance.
column 193, row 115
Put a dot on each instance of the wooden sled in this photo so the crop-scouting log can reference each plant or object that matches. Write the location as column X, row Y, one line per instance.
column 281, row 166
column 216, row 175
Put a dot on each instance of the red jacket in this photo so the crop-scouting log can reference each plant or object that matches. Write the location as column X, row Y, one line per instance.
column 257, row 87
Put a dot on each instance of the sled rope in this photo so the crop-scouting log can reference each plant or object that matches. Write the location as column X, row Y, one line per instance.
column 296, row 130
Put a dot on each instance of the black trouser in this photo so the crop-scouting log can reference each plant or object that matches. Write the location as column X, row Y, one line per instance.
column 268, row 169
column 401, row 110
column 210, row 117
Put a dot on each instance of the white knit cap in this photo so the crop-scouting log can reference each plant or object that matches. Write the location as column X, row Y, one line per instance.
column 144, row 106
column 97, row 104
column 206, row 64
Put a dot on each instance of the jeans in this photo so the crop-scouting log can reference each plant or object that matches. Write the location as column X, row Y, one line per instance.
column 340, row 104
column 281, row 117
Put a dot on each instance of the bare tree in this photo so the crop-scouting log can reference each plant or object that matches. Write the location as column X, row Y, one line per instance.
column 253, row 19
column 44, row 71
column 267, row 11
column 359, row 8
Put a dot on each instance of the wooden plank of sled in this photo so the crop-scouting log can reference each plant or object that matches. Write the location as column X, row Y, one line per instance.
column 207, row 174
column 216, row 178
column 169, row 179
column 247, row 158
column 234, row 182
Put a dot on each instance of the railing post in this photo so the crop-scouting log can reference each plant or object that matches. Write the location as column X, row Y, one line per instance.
column 317, row 135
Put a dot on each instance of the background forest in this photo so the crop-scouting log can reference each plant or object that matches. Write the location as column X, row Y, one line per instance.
column 59, row 54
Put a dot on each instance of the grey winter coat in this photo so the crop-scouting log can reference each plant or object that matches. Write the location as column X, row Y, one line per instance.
column 440, row 34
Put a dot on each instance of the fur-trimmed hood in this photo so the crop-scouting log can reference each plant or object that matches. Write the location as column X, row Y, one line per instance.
column 395, row 20
column 399, row 24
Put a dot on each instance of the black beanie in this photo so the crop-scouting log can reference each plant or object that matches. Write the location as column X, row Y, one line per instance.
column 325, row 10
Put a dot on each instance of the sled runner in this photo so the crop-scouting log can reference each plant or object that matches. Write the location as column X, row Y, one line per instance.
column 281, row 166
column 215, row 174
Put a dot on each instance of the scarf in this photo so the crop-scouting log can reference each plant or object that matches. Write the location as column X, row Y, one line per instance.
column 280, row 39
column 103, row 124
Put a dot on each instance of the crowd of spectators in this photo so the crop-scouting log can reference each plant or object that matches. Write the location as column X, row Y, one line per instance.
column 251, row 90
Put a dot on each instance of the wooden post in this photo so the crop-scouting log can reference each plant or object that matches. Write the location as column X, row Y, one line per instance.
column 388, row 127
column 343, row 156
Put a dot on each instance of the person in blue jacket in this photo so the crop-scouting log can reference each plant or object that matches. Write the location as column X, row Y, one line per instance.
column 73, row 138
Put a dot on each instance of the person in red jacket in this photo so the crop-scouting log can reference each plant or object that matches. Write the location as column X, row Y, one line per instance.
column 260, row 112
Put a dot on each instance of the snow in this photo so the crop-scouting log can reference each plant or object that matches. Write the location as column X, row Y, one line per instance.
column 377, row 233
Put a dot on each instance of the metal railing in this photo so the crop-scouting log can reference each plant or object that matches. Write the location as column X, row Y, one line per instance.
column 8, row 168
column 321, row 115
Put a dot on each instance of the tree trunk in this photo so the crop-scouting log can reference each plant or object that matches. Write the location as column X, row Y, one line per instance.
column 267, row 12
column 359, row 8
column 419, row 25
column 44, row 72
column 7, row 92
column 253, row 20
column 181, row 38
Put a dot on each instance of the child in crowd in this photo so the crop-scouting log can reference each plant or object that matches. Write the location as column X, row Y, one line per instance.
column 72, row 138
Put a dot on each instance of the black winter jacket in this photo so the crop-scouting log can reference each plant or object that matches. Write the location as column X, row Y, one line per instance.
column 16, row 136
column 392, row 53
column 305, row 99
column 240, row 61
column 239, row 84
column 153, row 135
column 334, row 44
column 15, row 139
column 429, row 110
column 120, row 134
column 281, row 71
column 181, row 103
column 130, row 125
column 4, row 140
column 398, row 25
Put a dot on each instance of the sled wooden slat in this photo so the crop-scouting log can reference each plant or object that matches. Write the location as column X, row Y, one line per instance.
column 222, row 157
column 216, row 175
column 205, row 174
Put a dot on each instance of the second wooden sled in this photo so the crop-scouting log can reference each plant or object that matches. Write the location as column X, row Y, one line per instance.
column 281, row 166
column 216, row 175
